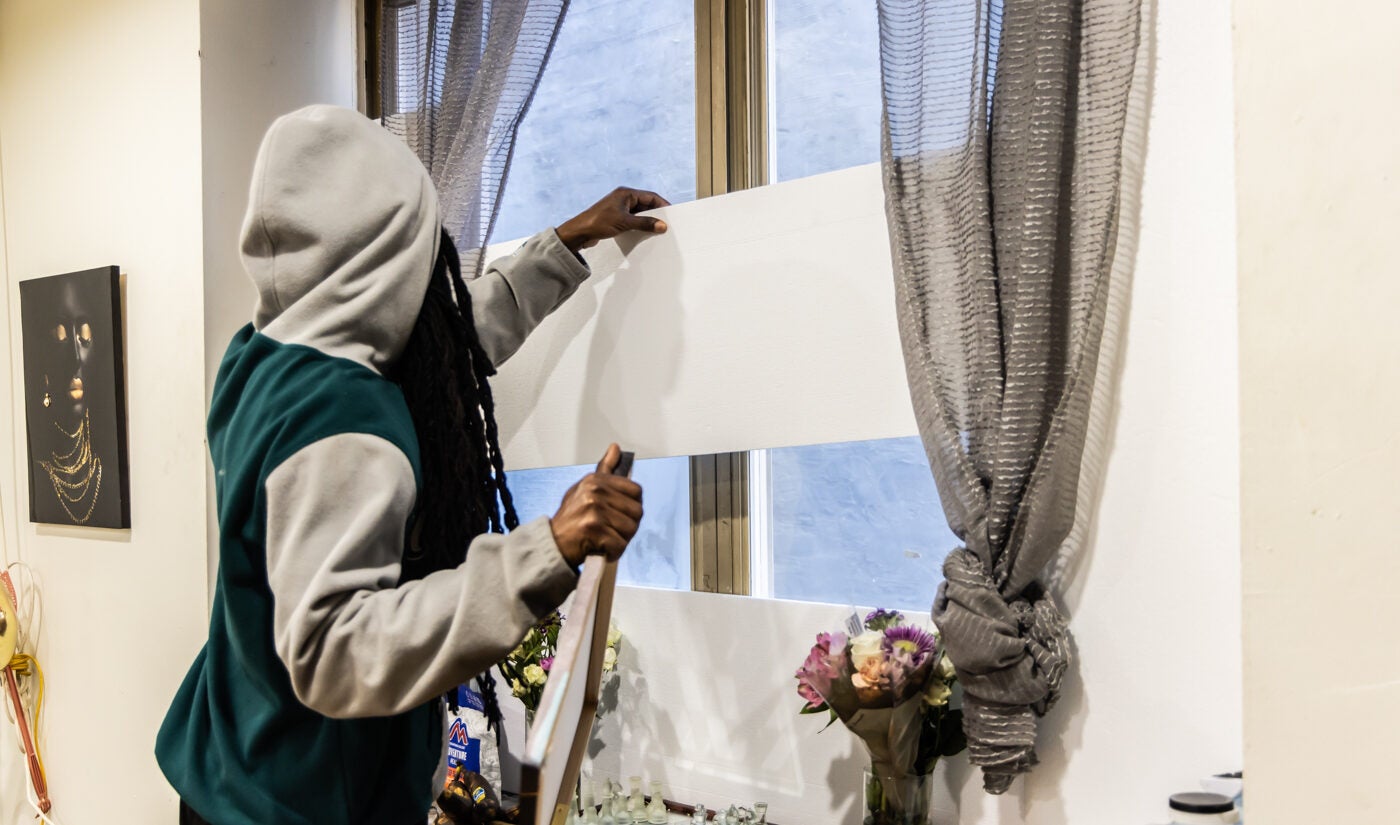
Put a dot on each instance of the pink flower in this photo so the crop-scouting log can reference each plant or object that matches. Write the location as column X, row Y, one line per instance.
column 825, row 662
column 546, row 663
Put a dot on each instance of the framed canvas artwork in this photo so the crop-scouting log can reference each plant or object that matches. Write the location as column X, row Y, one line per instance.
column 75, row 399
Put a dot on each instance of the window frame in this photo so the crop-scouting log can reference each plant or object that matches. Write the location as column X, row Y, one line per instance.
column 731, row 546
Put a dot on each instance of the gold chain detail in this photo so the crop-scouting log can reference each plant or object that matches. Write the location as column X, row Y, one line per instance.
column 74, row 477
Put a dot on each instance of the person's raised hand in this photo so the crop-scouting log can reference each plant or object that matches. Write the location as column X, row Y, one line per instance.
column 614, row 214
column 599, row 514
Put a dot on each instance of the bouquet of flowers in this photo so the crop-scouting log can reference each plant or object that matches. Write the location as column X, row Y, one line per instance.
column 890, row 684
column 527, row 667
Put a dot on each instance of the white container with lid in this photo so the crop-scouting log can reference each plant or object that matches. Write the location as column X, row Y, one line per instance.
column 1203, row 809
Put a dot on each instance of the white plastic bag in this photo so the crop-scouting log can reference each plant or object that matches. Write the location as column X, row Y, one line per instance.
column 470, row 743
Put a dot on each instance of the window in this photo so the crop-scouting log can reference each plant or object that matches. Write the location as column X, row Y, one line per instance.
column 700, row 97
column 685, row 97
column 659, row 556
column 854, row 523
column 824, row 99
column 615, row 107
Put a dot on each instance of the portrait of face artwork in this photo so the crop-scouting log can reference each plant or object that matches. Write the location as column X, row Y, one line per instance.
column 74, row 399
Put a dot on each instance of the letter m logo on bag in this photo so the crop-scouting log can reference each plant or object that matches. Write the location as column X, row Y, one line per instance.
column 462, row 750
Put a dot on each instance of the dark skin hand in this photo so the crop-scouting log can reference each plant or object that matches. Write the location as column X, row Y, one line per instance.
column 614, row 214
column 599, row 514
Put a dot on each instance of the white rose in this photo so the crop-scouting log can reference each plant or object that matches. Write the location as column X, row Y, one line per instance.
column 516, row 689
column 945, row 670
column 614, row 635
column 867, row 646
column 609, row 660
column 534, row 674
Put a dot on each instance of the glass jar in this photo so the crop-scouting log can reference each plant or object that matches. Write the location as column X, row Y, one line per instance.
column 902, row 800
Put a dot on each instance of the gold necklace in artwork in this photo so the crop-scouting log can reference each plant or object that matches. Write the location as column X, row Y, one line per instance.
column 76, row 473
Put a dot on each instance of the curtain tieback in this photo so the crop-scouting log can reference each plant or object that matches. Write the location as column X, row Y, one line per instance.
column 1010, row 658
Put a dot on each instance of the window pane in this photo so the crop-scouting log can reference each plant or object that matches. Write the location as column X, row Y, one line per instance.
column 615, row 107
column 659, row 555
column 825, row 89
column 857, row 523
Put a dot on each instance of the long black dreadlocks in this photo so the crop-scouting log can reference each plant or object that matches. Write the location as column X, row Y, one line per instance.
column 443, row 373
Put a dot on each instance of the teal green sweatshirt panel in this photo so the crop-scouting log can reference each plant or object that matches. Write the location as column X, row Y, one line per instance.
column 237, row 744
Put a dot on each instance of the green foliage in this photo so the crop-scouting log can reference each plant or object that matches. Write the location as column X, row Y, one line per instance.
column 540, row 644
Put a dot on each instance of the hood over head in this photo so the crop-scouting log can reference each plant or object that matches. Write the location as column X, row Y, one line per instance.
column 340, row 236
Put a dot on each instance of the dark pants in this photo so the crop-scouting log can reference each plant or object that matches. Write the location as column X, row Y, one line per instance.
column 189, row 817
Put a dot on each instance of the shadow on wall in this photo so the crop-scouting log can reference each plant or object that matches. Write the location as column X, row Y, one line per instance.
column 727, row 729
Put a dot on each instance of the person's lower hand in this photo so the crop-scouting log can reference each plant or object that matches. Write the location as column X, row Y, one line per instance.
column 599, row 514
column 614, row 214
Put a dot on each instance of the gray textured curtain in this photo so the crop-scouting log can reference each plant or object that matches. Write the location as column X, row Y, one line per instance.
column 456, row 78
column 1003, row 154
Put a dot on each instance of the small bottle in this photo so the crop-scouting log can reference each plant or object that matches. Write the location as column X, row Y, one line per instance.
column 656, row 810
column 732, row 815
column 590, row 811
column 636, row 803
column 760, row 811
column 700, row 817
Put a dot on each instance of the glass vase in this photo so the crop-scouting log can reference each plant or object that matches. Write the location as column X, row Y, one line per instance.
column 891, row 800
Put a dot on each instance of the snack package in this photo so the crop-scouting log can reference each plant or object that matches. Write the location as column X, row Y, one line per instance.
column 467, row 800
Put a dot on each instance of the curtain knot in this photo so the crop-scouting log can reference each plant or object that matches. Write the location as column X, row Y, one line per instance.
column 1010, row 656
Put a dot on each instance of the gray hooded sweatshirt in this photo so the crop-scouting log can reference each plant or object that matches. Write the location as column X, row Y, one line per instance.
column 314, row 698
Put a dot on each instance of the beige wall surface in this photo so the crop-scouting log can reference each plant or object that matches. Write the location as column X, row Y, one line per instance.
column 99, row 129
column 1317, row 93
column 127, row 135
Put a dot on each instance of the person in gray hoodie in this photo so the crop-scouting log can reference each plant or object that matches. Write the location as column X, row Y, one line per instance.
column 365, row 566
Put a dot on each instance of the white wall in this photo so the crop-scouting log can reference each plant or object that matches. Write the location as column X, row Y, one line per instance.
column 260, row 59
column 1318, row 108
column 765, row 318
column 99, row 128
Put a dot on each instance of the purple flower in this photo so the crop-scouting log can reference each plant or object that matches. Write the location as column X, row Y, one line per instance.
column 546, row 663
column 825, row 662
column 882, row 619
column 913, row 652
column 910, row 646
